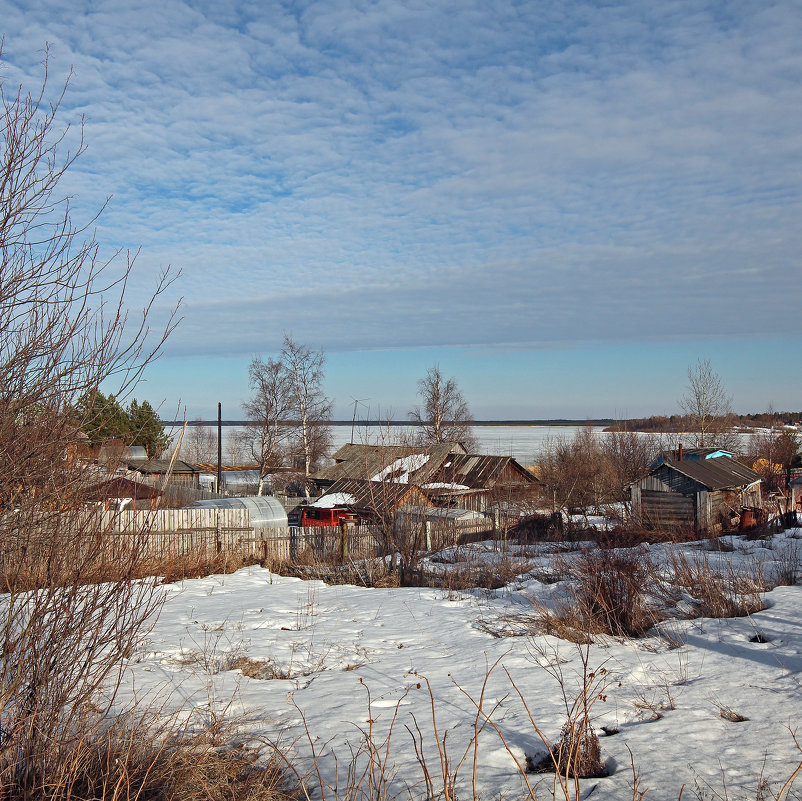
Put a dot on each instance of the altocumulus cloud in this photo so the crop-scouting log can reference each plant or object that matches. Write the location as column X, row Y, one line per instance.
column 440, row 173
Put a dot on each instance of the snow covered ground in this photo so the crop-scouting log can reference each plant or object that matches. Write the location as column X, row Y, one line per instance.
column 341, row 661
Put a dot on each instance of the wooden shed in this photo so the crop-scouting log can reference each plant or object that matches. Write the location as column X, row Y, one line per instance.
column 706, row 495
column 180, row 472
column 370, row 501
column 479, row 482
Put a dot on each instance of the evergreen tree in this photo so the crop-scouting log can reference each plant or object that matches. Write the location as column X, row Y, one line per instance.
column 145, row 429
column 102, row 418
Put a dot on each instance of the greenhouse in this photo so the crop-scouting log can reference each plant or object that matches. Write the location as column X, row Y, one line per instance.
column 266, row 511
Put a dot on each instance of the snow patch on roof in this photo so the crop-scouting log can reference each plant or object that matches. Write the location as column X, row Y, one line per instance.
column 398, row 472
column 334, row 499
column 443, row 485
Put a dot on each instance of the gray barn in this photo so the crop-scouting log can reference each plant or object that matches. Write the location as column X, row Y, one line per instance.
column 708, row 495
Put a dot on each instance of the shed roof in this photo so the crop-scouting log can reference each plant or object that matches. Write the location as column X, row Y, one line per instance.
column 478, row 471
column 719, row 472
column 379, row 497
column 121, row 487
column 161, row 466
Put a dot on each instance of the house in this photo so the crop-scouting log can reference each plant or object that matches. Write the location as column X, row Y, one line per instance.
column 180, row 472
column 384, row 462
column 445, row 472
column 358, row 499
column 705, row 494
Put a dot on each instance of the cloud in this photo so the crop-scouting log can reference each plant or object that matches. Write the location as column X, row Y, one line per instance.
column 379, row 174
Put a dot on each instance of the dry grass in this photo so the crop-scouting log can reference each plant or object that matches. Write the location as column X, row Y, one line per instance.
column 726, row 712
column 144, row 758
column 787, row 566
column 188, row 566
column 718, row 593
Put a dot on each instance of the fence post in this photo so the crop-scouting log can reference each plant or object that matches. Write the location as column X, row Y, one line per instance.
column 218, row 541
column 344, row 539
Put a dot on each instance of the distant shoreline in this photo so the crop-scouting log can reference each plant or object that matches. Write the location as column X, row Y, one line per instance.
column 393, row 423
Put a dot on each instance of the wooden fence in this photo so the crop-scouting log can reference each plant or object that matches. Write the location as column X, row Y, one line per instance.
column 176, row 533
column 203, row 533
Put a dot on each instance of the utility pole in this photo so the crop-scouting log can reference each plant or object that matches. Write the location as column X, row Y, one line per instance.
column 219, row 447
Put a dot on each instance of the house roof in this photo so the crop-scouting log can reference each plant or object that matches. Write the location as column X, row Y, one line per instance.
column 719, row 472
column 367, row 461
column 120, row 487
column 691, row 454
column 161, row 466
column 376, row 496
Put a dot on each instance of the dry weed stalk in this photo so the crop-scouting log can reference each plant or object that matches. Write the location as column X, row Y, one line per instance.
column 718, row 593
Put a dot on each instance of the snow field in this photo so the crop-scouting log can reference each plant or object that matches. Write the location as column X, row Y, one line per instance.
column 332, row 646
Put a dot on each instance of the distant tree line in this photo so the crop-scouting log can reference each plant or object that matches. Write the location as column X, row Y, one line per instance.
column 678, row 423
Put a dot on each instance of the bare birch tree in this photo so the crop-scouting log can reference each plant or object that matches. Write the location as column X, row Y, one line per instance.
column 311, row 408
column 199, row 444
column 444, row 415
column 709, row 407
column 269, row 410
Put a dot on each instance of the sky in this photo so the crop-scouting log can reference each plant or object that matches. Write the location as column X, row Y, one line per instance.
column 563, row 205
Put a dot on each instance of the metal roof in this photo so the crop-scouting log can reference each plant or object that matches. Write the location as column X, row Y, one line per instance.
column 720, row 472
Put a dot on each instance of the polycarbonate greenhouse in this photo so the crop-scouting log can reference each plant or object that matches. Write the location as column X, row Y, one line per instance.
column 266, row 511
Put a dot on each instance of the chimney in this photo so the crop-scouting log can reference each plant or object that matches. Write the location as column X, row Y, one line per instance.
column 679, row 453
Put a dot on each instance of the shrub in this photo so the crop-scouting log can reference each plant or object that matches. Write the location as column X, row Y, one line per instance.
column 608, row 596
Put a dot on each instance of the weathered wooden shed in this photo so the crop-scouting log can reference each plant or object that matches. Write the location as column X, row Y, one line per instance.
column 180, row 472
column 479, row 482
column 705, row 495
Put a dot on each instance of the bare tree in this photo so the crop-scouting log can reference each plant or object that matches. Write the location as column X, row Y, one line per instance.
column 311, row 408
column 444, row 415
column 773, row 452
column 708, row 406
column 64, row 329
column 269, row 409
column 199, row 444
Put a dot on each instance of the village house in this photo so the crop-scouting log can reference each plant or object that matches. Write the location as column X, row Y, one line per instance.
column 445, row 474
column 384, row 462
